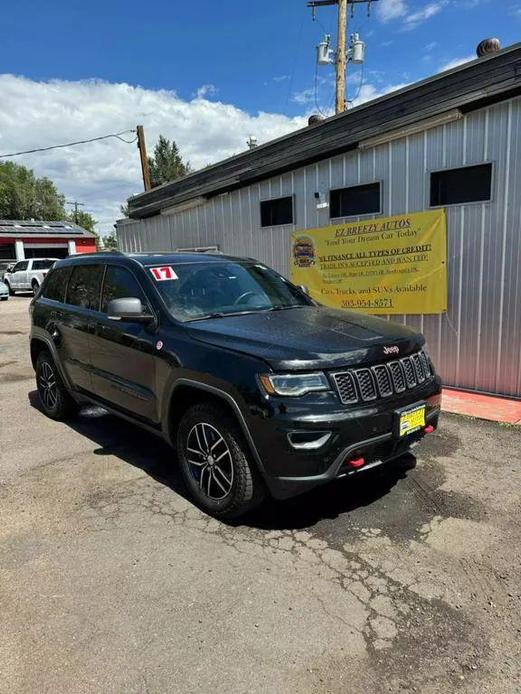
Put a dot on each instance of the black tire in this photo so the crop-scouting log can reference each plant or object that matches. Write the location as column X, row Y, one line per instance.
column 226, row 489
column 11, row 292
column 4, row 298
column 35, row 287
column 54, row 398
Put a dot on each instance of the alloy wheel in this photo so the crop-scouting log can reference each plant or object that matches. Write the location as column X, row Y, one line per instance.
column 210, row 460
column 47, row 386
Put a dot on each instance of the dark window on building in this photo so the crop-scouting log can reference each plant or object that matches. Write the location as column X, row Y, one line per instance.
column 354, row 201
column 84, row 286
column 120, row 284
column 276, row 212
column 458, row 186
column 54, row 287
column 7, row 251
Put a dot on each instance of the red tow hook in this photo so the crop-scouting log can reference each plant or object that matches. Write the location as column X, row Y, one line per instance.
column 429, row 429
column 356, row 462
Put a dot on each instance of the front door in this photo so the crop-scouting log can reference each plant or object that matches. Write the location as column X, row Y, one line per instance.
column 123, row 352
column 19, row 276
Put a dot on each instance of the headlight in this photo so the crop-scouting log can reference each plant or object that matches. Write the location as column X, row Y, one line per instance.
column 293, row 384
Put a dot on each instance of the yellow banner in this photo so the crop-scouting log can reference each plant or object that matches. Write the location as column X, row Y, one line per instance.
column 388, row 265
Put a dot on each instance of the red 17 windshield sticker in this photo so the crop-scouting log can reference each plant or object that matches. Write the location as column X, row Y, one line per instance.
column 163, row 274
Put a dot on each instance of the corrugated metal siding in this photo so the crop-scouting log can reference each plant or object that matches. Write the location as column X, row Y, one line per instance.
column 477, row 343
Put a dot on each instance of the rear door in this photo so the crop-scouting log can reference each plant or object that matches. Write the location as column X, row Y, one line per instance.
column 124, row 353
column 73, row 322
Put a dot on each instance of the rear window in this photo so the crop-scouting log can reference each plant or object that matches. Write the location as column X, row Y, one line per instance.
column 56, row 281
column 43, row 264
column 84, row 286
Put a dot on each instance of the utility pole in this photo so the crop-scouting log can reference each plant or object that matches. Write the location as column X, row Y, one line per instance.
column 341, row 57
column 143, row 156
column 341, row 51
column 76, row 204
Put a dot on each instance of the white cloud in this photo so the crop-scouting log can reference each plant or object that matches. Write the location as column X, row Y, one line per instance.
column 206, row 90
column 103, row 174
column 281, row 78
column 387, row 10
column 432, row 8
column 305, row 96
column 456, row 62
column 430, row 46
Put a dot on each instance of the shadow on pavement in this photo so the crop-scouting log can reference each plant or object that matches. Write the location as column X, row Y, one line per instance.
column 114, row 436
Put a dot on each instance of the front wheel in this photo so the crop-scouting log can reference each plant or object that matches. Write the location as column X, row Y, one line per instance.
column 215, row 463
column 11, row 291
column 54, row 397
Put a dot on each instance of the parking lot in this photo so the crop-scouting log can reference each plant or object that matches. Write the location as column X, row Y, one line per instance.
column 112, row 581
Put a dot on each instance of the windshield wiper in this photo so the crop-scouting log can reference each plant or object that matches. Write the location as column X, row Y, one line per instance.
column 220, row 314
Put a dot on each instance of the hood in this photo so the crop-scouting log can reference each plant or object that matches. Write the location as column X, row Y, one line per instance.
column 309, row 337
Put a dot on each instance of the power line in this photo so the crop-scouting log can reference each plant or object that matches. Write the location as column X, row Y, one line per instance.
column 71, row 144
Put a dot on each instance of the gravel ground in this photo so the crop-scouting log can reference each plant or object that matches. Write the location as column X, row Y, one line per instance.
column 407, row 580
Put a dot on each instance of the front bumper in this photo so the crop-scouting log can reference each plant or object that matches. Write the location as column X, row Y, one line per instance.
column 357, row 431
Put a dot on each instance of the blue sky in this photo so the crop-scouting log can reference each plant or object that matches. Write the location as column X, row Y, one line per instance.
column 206, row 73
column 257, row 54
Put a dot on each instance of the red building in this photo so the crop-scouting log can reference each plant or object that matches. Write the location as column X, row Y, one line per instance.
column 29, row 239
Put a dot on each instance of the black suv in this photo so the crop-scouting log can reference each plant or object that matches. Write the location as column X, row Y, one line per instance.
column 257, row 386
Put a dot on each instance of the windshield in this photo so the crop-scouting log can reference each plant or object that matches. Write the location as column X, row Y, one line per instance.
column 215, row 289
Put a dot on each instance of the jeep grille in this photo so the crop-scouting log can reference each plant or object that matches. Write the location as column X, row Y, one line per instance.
column 382, row 380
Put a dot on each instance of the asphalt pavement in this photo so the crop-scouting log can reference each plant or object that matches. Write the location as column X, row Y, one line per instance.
column 111, row 581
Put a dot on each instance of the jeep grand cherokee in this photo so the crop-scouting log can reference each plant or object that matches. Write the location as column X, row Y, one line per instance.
column 257, row 387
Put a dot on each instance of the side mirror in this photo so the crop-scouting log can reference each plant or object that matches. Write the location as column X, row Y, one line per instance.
column 128, row 309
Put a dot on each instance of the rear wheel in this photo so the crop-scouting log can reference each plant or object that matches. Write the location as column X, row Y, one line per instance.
column 215, row 463
column 35, row 287
column 54, row 397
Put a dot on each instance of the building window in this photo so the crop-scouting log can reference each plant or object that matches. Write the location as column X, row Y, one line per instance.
column 459, row 186
column 276, row 212
column 355, row 200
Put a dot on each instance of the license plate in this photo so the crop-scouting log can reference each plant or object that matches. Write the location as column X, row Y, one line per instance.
column 411, row 420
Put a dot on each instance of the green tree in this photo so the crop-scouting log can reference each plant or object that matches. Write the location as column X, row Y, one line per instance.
column 110, row 242
column 84, row 220
column 25, row 196
column 166, row 164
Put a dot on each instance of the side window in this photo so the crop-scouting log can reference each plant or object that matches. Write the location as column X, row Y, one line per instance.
column 54, row 287
column 84, row 286
column 19, row 267
column 120, row 283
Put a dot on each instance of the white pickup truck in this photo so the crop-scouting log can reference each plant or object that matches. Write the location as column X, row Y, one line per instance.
column 28, row 275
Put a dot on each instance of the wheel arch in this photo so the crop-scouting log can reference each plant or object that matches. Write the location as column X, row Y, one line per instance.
column 187, row 393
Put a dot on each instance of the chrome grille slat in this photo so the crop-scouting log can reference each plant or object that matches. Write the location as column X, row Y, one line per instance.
column 382, row 380
column 366, row 384
column 345, row 385
column 410, row 375
column 398, row 376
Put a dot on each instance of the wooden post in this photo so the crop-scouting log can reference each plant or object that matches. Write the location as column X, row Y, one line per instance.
column 341, row 57
column 143, row 156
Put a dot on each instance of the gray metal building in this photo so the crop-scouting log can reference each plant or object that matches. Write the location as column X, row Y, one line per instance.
column 453, row 140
